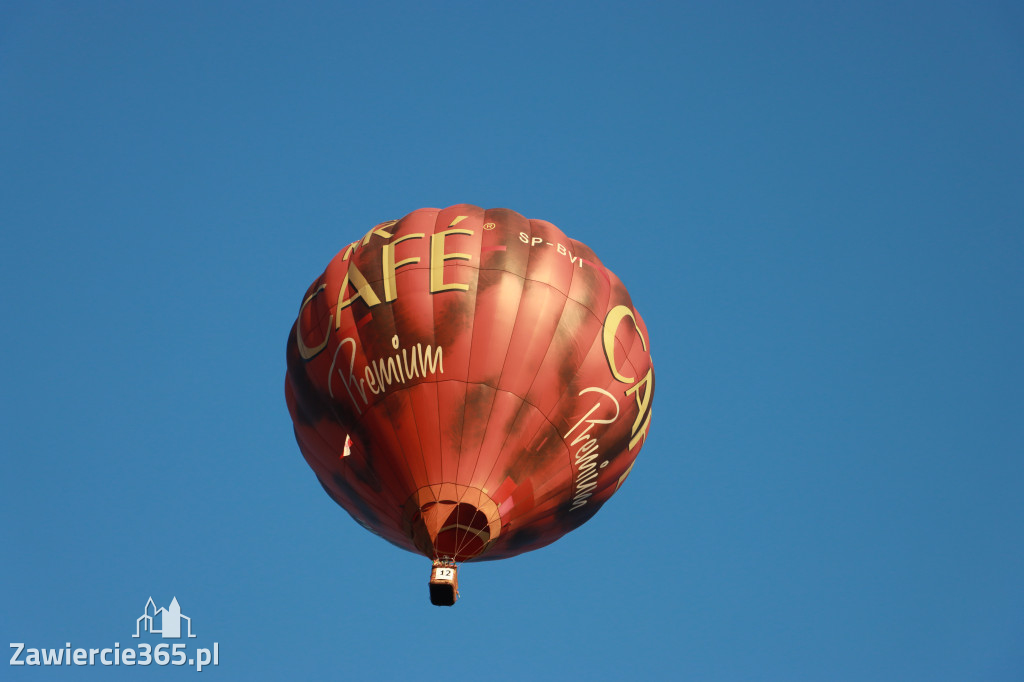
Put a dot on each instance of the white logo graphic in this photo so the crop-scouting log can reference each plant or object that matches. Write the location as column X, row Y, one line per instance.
column 169, row 620
column 164, row 622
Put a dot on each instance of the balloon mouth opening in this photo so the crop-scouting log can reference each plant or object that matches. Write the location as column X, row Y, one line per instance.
column 451, row 521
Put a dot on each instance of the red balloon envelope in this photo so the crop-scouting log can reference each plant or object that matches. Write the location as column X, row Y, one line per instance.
column 469, row 384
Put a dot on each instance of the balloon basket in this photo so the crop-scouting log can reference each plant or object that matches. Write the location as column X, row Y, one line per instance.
column 444, row 583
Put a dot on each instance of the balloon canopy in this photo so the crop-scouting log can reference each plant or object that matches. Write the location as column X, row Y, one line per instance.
column 469, row 384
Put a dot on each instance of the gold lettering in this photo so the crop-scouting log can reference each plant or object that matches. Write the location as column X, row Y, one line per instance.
column 622, row 478
column 641, row 390
column 348, row 252
column 379, row 231
column 389, row 265
column 438, row 257
column 643, row 406
column 611, row 325
column 363, row 291
column 305, row 351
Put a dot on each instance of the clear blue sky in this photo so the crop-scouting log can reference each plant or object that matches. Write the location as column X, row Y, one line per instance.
column 819, row 211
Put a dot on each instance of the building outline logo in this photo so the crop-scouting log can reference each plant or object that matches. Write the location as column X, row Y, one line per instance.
column 170, row 620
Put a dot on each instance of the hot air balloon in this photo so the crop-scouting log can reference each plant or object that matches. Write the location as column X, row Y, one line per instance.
column 468, row 384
